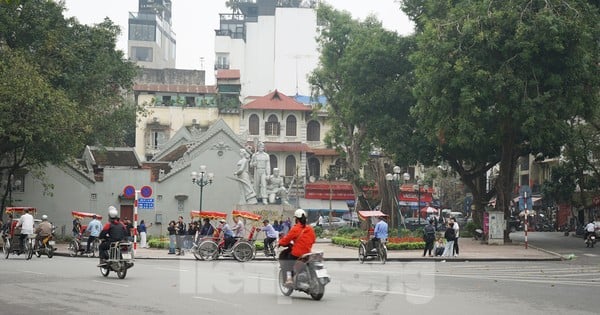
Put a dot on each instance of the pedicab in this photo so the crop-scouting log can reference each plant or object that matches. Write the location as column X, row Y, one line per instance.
column 244, row 249
column 207, row 251
column 366, row 249
column 11, row 236
column 78, row 245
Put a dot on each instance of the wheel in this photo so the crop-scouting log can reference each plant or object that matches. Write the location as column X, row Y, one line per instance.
column 208, row 250
column 49, row 251
column 37, row 253
column 243, row 251
column 29, row 249
column 104, row 271
column 6, row 248
column 73, row 248
column 382, row 253
column 196, row 252
column 317, row 289
column 362, row 253
column 122, row 273
column 284, row 290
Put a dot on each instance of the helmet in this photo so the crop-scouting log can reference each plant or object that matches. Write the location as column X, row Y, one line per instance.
column 112, row 212
column 299, row 213
column 44, row 217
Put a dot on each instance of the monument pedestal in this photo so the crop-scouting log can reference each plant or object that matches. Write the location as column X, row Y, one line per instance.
column 270, row 212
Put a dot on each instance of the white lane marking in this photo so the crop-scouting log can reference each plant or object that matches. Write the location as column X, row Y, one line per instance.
column 171, row 269
column 590, row 255
column 33, row 272
column 590, row 283
column 215, row 300
column 261, row 278
column 112, row 283
column 402, row 293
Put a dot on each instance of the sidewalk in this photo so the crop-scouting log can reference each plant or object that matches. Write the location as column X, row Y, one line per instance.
column 470, row 250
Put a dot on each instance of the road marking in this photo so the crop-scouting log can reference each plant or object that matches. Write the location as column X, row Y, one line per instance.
column 261, row 278
column 33, row 272
column 575, row 282
column 171, row 269
column 590, row 255
column 112, row 283
column 402, row 293
column 215, row 300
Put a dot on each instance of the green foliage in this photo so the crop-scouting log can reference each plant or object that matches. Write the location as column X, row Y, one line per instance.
column 469, row 229
column 353, row 242
column 318, row 231
column 158, row 242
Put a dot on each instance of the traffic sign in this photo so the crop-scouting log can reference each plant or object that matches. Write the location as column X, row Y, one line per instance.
column 146, row 191
column 146, row 203
column 129, row 191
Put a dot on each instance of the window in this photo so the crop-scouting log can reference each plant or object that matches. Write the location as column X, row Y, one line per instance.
column 253, row 124
column 157, row 138
column 190, row 101
column 142, row 32
column 290, row 165
column 273, row 160
column 142, row 54
column 166, row 100
column 222, row 61
column 314, row 131
column 314, row 167
column 290, row 126
column 272, row 126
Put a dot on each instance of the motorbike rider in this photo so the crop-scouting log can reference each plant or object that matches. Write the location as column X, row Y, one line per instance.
column 299, row 241
column 113, row 231
column 590, row 229
column 43, row 230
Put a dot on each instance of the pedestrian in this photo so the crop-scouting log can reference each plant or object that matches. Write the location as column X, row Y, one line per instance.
column 181, row 232
column 238, row 227
column 172, row 236
column 449, row 236
column 143, row 229
column 94, row 228
column 429, row 237
column 26, row 224
column 439, row 246
column 456, row 234
column 76, row 227
column 277, row 226
column 191, row 232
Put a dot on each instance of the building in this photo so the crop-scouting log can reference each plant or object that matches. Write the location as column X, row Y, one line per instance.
column 151, row 40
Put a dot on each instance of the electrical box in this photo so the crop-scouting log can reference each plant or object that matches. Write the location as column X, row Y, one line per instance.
column 497, row 227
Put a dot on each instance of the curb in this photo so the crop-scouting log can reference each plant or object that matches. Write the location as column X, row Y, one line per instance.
column 558, row 256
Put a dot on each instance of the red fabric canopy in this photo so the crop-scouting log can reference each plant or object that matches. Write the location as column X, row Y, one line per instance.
column 212, row 215
column 81, row 215
column 246, row 214
column 371, row 213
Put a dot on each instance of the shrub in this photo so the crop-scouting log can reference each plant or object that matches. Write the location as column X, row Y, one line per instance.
column 469, row 229
column 406, row 243
column 158, row 242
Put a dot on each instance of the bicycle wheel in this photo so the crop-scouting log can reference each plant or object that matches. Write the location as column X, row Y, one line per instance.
column 207, row 250
column 73, row 248
column 382, row 253
column 29, row 248
column 362, row 253
column 6, row 248
column 242, row 251
column 94, row 249
column 37, row 250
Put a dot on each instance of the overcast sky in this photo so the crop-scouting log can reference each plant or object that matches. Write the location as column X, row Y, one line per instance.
column 194, row 22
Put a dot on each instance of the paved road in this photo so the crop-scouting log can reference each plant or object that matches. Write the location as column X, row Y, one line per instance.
column 563, row 245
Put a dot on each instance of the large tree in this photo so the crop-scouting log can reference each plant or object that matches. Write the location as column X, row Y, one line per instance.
column 365, row 74
column 62, row 86
column 497, row 80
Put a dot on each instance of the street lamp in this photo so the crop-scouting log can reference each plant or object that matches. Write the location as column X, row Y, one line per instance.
column 11, row 184
column 417, row 188
column 202, row 179
column 394, row 179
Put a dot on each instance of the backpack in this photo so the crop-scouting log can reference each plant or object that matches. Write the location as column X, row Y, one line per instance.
column 429, row 233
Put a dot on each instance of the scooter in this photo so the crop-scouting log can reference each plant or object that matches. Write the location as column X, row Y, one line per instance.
column 44, row 247
column 310, row 276
column 591, row 240
column 119, row 260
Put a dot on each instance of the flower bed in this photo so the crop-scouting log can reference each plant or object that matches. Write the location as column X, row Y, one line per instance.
column 394, row 243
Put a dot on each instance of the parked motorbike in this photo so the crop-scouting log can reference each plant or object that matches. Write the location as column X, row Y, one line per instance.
column 310, row 276
column 590, row 241
column 120, row 259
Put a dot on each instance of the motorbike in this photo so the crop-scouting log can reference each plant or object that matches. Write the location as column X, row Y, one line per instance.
column 591, row 240
column 44, row 246
column 310, row 276
column 120, row 259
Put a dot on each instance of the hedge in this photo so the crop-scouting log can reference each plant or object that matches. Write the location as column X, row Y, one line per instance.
column 353, row 242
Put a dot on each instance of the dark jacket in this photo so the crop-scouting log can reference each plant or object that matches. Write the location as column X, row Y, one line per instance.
column 450, row 235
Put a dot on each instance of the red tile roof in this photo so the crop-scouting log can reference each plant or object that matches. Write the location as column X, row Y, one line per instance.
column 283, row 146
column 226, row 74
column 276, row 100
column 324, row 152
column 176, row 88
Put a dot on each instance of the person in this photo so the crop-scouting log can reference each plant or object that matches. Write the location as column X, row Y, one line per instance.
column 247, row 193
column 26, row 225
column 130, row 230
column 143, row 230
column 302, row 236
column 276, row 188
column 271, row 236
column 172, row 236
column 439, row 246
column 456, row 234
column 94, row 228
column 76, row 228
column 227, row 233
column 181, row 232
column 590, row 229
column 321, row 220
column 380, row 233
column 7, row 227
column 449, row 236
column 191, row 232
column 43, row 230
column 207, row 228
column 238, row 227
column 261, row 162
column 278, row 226
column 429, row 237
column 113, row 231
column 285, row 227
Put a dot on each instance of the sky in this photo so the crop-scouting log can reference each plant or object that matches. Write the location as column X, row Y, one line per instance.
column 195, row 21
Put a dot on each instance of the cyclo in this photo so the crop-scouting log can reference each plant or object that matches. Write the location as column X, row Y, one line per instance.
column 198, row 239
column 242, row 250
column 11, row 236
column 78, row 245
column 366, row 249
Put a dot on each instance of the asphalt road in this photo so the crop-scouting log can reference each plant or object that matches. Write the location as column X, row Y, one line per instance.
column 566, row 246
column 65, row 285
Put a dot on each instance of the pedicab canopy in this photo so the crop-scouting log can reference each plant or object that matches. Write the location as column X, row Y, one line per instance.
column 370, row 214
column 20, row 210
column 81, row 215
column 246, row 214
column 211, row 215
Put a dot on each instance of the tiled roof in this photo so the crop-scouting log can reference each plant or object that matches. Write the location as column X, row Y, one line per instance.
column 176, row 88
column 324, row 152
column 276, row 100
column 175, row 155
column 226, row 74
column 115, row 157
column 286, row 147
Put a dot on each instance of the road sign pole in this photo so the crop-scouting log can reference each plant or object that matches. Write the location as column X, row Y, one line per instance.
column 135, row 219
column 526, row 217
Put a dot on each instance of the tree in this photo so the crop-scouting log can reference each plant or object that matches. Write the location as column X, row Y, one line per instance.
column 62, row 86
column 365, row 75
column 497, row 80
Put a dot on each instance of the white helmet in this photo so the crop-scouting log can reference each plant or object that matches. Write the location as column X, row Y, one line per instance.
column 112, row 212
column 299, row 213
column 44, row 217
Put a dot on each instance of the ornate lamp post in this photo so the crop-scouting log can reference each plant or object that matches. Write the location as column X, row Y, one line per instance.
column 202, row 179
column 417, row 189
column 394, row 179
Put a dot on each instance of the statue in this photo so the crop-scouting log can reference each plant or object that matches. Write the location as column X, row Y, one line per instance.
column 247, row 194
column 276, row 188
column 262, row 169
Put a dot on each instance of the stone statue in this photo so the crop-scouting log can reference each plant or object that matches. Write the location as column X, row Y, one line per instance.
column 276, row 188
column 262, row 169
column 247, row 194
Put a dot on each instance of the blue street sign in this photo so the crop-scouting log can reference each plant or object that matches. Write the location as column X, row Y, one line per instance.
column 146, row 203
column 525, row 198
